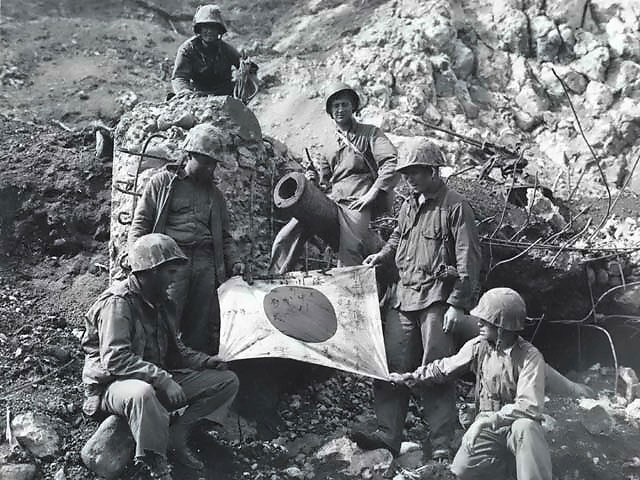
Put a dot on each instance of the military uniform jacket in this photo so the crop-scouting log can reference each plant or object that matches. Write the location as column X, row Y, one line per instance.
column 128, row 337
column 365, row 157
column 429, row 236
column 204, row 69
column 160, row 207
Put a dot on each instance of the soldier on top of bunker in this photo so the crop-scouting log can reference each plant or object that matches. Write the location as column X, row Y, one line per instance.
column 204, row 62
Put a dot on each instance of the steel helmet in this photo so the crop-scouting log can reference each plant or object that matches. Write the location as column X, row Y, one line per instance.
column 208, row 14
column 338, row 87
column 503, row 308
column 424, row 153
column 152, row 250
column 206, row 139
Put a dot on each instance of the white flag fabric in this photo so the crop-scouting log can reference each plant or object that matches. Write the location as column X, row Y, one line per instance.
column 330, row 319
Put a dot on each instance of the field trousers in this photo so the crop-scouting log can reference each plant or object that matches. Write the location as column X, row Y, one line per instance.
column 496, row 451
column 209, row 396
column 413, row 339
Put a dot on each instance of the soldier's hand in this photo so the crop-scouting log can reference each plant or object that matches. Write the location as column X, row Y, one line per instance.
column 214, row 362
column 372, row 260
column 403, row 379
column 312, row 176
column 452, row 317
column 237, row 269
column 474, row 431
column 175, row 394
column 365, row 200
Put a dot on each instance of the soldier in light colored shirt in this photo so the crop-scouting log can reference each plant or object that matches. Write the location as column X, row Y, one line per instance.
column 510, row 382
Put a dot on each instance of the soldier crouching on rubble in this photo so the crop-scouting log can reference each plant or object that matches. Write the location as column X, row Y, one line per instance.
column 185, row 204
column 361, row 175
column 204, row 62
column 137, row 367
column 436, row 235
column 510, row 383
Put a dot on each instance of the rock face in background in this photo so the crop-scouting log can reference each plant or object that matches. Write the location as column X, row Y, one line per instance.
column 245, row 175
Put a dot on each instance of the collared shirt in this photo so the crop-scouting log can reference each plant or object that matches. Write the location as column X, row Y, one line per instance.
column 434, row 232
column 128, row 336
column 190, row 212
column 350, row 173
column 205, row 69
column 509, row 382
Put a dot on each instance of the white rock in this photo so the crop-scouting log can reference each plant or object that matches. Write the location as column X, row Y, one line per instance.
column 377, row 460
column 566, row 11
column 624, row 77
column 342, row 447
column 624, row 42
column 594, row 64
column 407, row 447
column 36, row 434
column 531, row 102
column 599, row 96
column 294, row 472
column 546, row 38
column 512, row 29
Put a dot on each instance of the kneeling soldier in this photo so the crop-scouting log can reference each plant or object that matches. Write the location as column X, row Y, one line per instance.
column 509, row 394
column 137, row 367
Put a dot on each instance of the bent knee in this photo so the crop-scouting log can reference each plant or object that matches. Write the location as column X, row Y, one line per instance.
column 142, row 392
column 523, row 427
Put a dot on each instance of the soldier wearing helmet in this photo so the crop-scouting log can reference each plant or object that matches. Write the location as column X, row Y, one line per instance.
column 204, row 61
column 185, row 204
column 510, row 384
column 436, row 250
column 361, row 177
column 137, row 367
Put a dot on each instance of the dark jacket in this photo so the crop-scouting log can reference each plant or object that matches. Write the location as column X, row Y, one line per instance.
column 429, row 237
column 204, row 69
column 154, row 208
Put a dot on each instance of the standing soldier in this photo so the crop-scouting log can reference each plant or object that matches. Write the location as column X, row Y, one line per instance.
column 186, row 205
column 136, row 366
column 361, row 176
column 204, row 62
column 437, row 252
column 510, row 383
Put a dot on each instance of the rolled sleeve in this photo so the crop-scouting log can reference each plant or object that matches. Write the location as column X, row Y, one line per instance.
column 529, row 400
column 444, row 369
column 386, row 156
column 182, row 71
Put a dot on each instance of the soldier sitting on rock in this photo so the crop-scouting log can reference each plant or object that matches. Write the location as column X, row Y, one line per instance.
column 137, row 367
column 204, row 62
column 510, row 382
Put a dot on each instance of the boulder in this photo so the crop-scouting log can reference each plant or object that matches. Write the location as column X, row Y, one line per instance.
column 599, row 96
column 593, row 64
column 546, row 38
column 464, row 60
column 18, row 471
column 512, row 29
column 597, row 420
column 36, row 434
column 439, row 33
column 566, row 11
column 110, row 448
column 623, row 41
column 624, row 77
column 369, row 461
column 531, row 101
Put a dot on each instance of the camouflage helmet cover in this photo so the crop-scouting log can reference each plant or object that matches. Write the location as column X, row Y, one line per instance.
column 338, row 87
column 503, row 308
column 208, row 14
column 206, row 139
column 152, row 250
column 423, row 153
